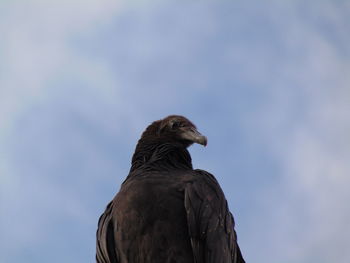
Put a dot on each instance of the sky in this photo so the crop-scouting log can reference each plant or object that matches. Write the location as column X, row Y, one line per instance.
column 268, row 83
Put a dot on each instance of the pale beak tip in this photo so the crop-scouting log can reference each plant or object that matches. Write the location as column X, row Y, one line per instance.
column 204, row 141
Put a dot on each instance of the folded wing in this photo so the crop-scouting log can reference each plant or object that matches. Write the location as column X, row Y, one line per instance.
column 210, row 223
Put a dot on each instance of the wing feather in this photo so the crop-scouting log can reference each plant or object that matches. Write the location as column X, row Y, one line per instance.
column 105, row 243
column 210, row 223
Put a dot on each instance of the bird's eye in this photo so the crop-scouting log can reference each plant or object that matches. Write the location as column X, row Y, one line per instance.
column 176, row 124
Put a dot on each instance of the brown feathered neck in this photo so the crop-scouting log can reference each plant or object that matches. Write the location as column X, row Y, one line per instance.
column 156, row 151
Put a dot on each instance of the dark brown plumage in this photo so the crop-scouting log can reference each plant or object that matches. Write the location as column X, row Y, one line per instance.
column 166, row 212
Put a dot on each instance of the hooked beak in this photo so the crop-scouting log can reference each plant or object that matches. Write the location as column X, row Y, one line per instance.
column 194, row 136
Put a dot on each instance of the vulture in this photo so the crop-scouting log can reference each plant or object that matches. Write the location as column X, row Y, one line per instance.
column 166, row 211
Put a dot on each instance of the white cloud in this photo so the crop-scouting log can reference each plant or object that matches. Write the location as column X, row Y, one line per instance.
column 36, row 50
column 35, row 46
column 304, row 122
column 318, row 170
column 307, row 126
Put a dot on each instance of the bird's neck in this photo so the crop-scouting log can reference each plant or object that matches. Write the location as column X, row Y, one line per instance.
column 155, row 155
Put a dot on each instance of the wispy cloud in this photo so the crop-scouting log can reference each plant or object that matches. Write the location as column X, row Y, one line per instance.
column 268, row 83
column 36, row 52
column 36, row 47
column 305, row 125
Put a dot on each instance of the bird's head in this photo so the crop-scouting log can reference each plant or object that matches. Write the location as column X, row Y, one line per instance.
column 175, row 128
column 172, row 132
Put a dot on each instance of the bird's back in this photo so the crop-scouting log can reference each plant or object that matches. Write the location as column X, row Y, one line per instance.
column 150, row 219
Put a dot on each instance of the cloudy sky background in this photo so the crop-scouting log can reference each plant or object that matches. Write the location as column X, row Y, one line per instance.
column 268, row 82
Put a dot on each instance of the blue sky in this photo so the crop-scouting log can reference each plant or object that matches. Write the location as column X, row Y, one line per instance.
column 267, row 82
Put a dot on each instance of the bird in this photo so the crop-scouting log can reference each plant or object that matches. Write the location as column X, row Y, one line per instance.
column 166, row 211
